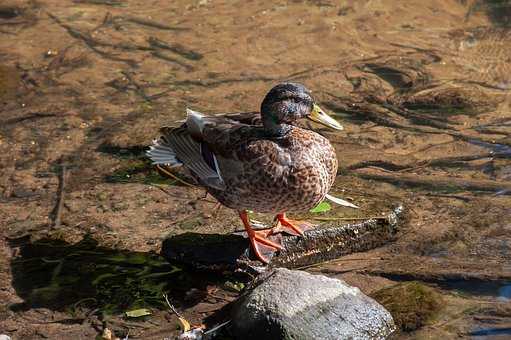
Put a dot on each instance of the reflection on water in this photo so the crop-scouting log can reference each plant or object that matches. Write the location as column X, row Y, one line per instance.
column 492, row 333
column 499, row 290
column 505, row 293
column 60, row 276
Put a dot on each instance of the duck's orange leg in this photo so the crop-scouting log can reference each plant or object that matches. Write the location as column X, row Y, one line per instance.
column 291, row 226
column 258, row 239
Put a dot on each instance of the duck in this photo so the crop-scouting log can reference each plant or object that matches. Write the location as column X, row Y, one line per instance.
column 257, row 161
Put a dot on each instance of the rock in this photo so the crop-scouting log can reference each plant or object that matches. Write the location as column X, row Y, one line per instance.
column 412, row 304
column 4, row 337
column 292, row 304
column 332, row 240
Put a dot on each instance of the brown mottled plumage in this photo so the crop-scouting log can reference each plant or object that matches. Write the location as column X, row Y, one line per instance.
column 260, row 162
column 273, row 175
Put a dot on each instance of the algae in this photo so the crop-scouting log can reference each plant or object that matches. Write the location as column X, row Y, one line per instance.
column 412, row 304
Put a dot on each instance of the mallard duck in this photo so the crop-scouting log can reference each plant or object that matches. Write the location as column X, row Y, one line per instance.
column 257, row 161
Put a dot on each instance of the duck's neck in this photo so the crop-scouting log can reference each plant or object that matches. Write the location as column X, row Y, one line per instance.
column 274, row 128
column 277, row 130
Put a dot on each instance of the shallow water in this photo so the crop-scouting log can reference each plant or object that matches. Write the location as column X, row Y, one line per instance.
column 505, row 293
column 422, row 88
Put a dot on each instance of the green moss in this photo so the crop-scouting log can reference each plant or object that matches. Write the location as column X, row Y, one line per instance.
column 411, row 304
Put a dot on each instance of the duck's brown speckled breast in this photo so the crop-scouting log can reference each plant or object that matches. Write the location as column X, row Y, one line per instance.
column 293, row 173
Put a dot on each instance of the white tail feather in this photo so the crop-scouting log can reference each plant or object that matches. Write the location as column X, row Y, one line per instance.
column 340, row 201
column 194, row 122
column 162, row 154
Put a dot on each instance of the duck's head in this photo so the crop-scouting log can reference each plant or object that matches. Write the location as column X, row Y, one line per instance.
column 288, row 102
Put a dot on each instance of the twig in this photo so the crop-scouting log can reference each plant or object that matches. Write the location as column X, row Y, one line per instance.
column 151, row 23
column 171, row 175
column 214, row 329
column 214, row 83
column 160, row 55
column 349, row 218
column 159, row 95
column 138, row 89
column 171, row 306
column 90, row 41
column 459, row 197
column 340, row 260
column 183, row 323
column 60, row 200
column 176, row 48
column 100, row 2
column 32, row 116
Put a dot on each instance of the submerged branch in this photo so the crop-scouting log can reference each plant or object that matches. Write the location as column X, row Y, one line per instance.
column 92, row 43
column 437, row 183
column 151, row 23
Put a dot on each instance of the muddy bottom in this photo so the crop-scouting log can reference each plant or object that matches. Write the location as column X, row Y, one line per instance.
column 421, row 87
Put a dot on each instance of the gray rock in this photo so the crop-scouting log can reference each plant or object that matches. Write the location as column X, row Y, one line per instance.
column 295, row 305
column 4, row 337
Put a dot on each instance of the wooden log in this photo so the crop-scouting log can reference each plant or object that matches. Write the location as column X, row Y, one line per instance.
column 221, row 252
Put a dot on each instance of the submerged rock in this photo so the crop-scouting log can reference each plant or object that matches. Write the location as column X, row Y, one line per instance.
column 231, row 251
column 411, row 304
column 292, row 304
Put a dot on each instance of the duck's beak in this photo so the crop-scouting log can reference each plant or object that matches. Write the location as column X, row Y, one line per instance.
column 319, row 116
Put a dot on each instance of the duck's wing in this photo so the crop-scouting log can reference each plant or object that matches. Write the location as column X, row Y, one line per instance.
column 237, row 144
column 187, row 146
column 248, row 118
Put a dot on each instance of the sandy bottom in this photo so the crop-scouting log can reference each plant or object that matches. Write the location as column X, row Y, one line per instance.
column 422, row 88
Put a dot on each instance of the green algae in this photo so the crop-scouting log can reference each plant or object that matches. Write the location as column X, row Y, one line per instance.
column 412, row 304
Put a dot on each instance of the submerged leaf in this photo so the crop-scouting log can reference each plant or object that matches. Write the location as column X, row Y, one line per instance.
column 321, row 207
column 234, row 286
column 136, row 313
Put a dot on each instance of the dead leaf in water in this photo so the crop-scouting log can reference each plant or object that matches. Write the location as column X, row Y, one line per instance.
column 136, row 313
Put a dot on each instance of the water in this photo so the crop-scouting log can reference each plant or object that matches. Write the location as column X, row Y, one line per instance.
column 422, row 88
column 505, row 293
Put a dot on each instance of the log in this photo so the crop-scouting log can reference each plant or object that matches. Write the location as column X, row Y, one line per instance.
column 230, row 252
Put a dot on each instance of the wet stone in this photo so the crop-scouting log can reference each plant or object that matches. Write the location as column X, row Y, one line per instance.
column 221, row 252
column 292, row 304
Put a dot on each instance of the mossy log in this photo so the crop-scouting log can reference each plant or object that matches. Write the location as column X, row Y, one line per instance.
column 220, row 252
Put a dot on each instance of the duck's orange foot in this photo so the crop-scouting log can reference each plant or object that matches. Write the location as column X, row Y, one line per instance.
column 289, row 226
column 261, row 245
